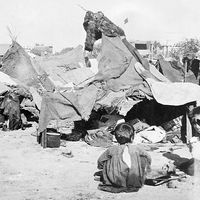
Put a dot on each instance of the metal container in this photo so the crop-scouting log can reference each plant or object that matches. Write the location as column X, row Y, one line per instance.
column 53, row 140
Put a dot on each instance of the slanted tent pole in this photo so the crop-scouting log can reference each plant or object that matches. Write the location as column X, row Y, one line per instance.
column 198, row 72
column 82, row 7
column 188, row 129
column 62, row 78
column 185, row 71
column 187, row 121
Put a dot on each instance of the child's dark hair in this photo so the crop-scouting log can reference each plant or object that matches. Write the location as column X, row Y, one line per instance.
column 124, row 132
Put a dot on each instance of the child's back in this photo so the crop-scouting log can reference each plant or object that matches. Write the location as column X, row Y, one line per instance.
column 116, row 171
column 124, row 165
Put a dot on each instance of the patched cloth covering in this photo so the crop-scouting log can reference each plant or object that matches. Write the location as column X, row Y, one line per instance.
column 116, row 173
column 116, row 65
column 62, row 106
column 96, row 23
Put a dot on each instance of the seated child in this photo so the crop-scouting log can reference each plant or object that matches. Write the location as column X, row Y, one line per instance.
column 124, row 166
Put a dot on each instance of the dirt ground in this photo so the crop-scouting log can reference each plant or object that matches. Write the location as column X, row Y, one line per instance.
column 29, row 172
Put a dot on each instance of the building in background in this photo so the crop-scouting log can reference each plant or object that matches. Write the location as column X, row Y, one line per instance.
column 144, row 48
column 42, row 50
column 151, row 49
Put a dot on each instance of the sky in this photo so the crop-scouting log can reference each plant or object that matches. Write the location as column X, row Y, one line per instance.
column 59, row 22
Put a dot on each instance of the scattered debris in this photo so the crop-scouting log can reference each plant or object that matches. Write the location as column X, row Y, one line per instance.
column 67, row 154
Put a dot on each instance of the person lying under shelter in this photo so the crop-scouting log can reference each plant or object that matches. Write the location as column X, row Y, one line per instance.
column 124, row 166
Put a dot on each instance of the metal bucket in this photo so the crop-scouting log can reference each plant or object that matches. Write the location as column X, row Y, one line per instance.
column 53, row 140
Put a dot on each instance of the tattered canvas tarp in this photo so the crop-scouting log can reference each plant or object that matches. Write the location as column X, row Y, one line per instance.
column 116, row 65
column 72, row 59
column 174, row 75
column 114, row 58
column 77, row 76
column 154, row 71
column 108, row 99
column 66, row 68
column 72, row 106
column 174, row 93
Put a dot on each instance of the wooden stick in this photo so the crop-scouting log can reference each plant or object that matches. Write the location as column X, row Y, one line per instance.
column 82, row 7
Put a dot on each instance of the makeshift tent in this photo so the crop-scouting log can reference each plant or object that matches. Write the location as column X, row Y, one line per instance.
column 56, row 104
column 20, row 71
column 123, row 74
column 17, row 64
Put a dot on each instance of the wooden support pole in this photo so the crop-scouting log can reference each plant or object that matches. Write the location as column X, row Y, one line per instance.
column 185, row 71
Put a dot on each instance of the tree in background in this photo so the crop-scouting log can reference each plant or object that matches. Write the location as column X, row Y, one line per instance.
column 184, row 48
column 157, row 48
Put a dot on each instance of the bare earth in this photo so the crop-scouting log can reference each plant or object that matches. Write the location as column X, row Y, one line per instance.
column 29, row 172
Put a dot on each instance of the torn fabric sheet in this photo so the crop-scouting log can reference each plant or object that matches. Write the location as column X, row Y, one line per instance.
column 72, row 106
column 174, row 94
column 113, row 60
